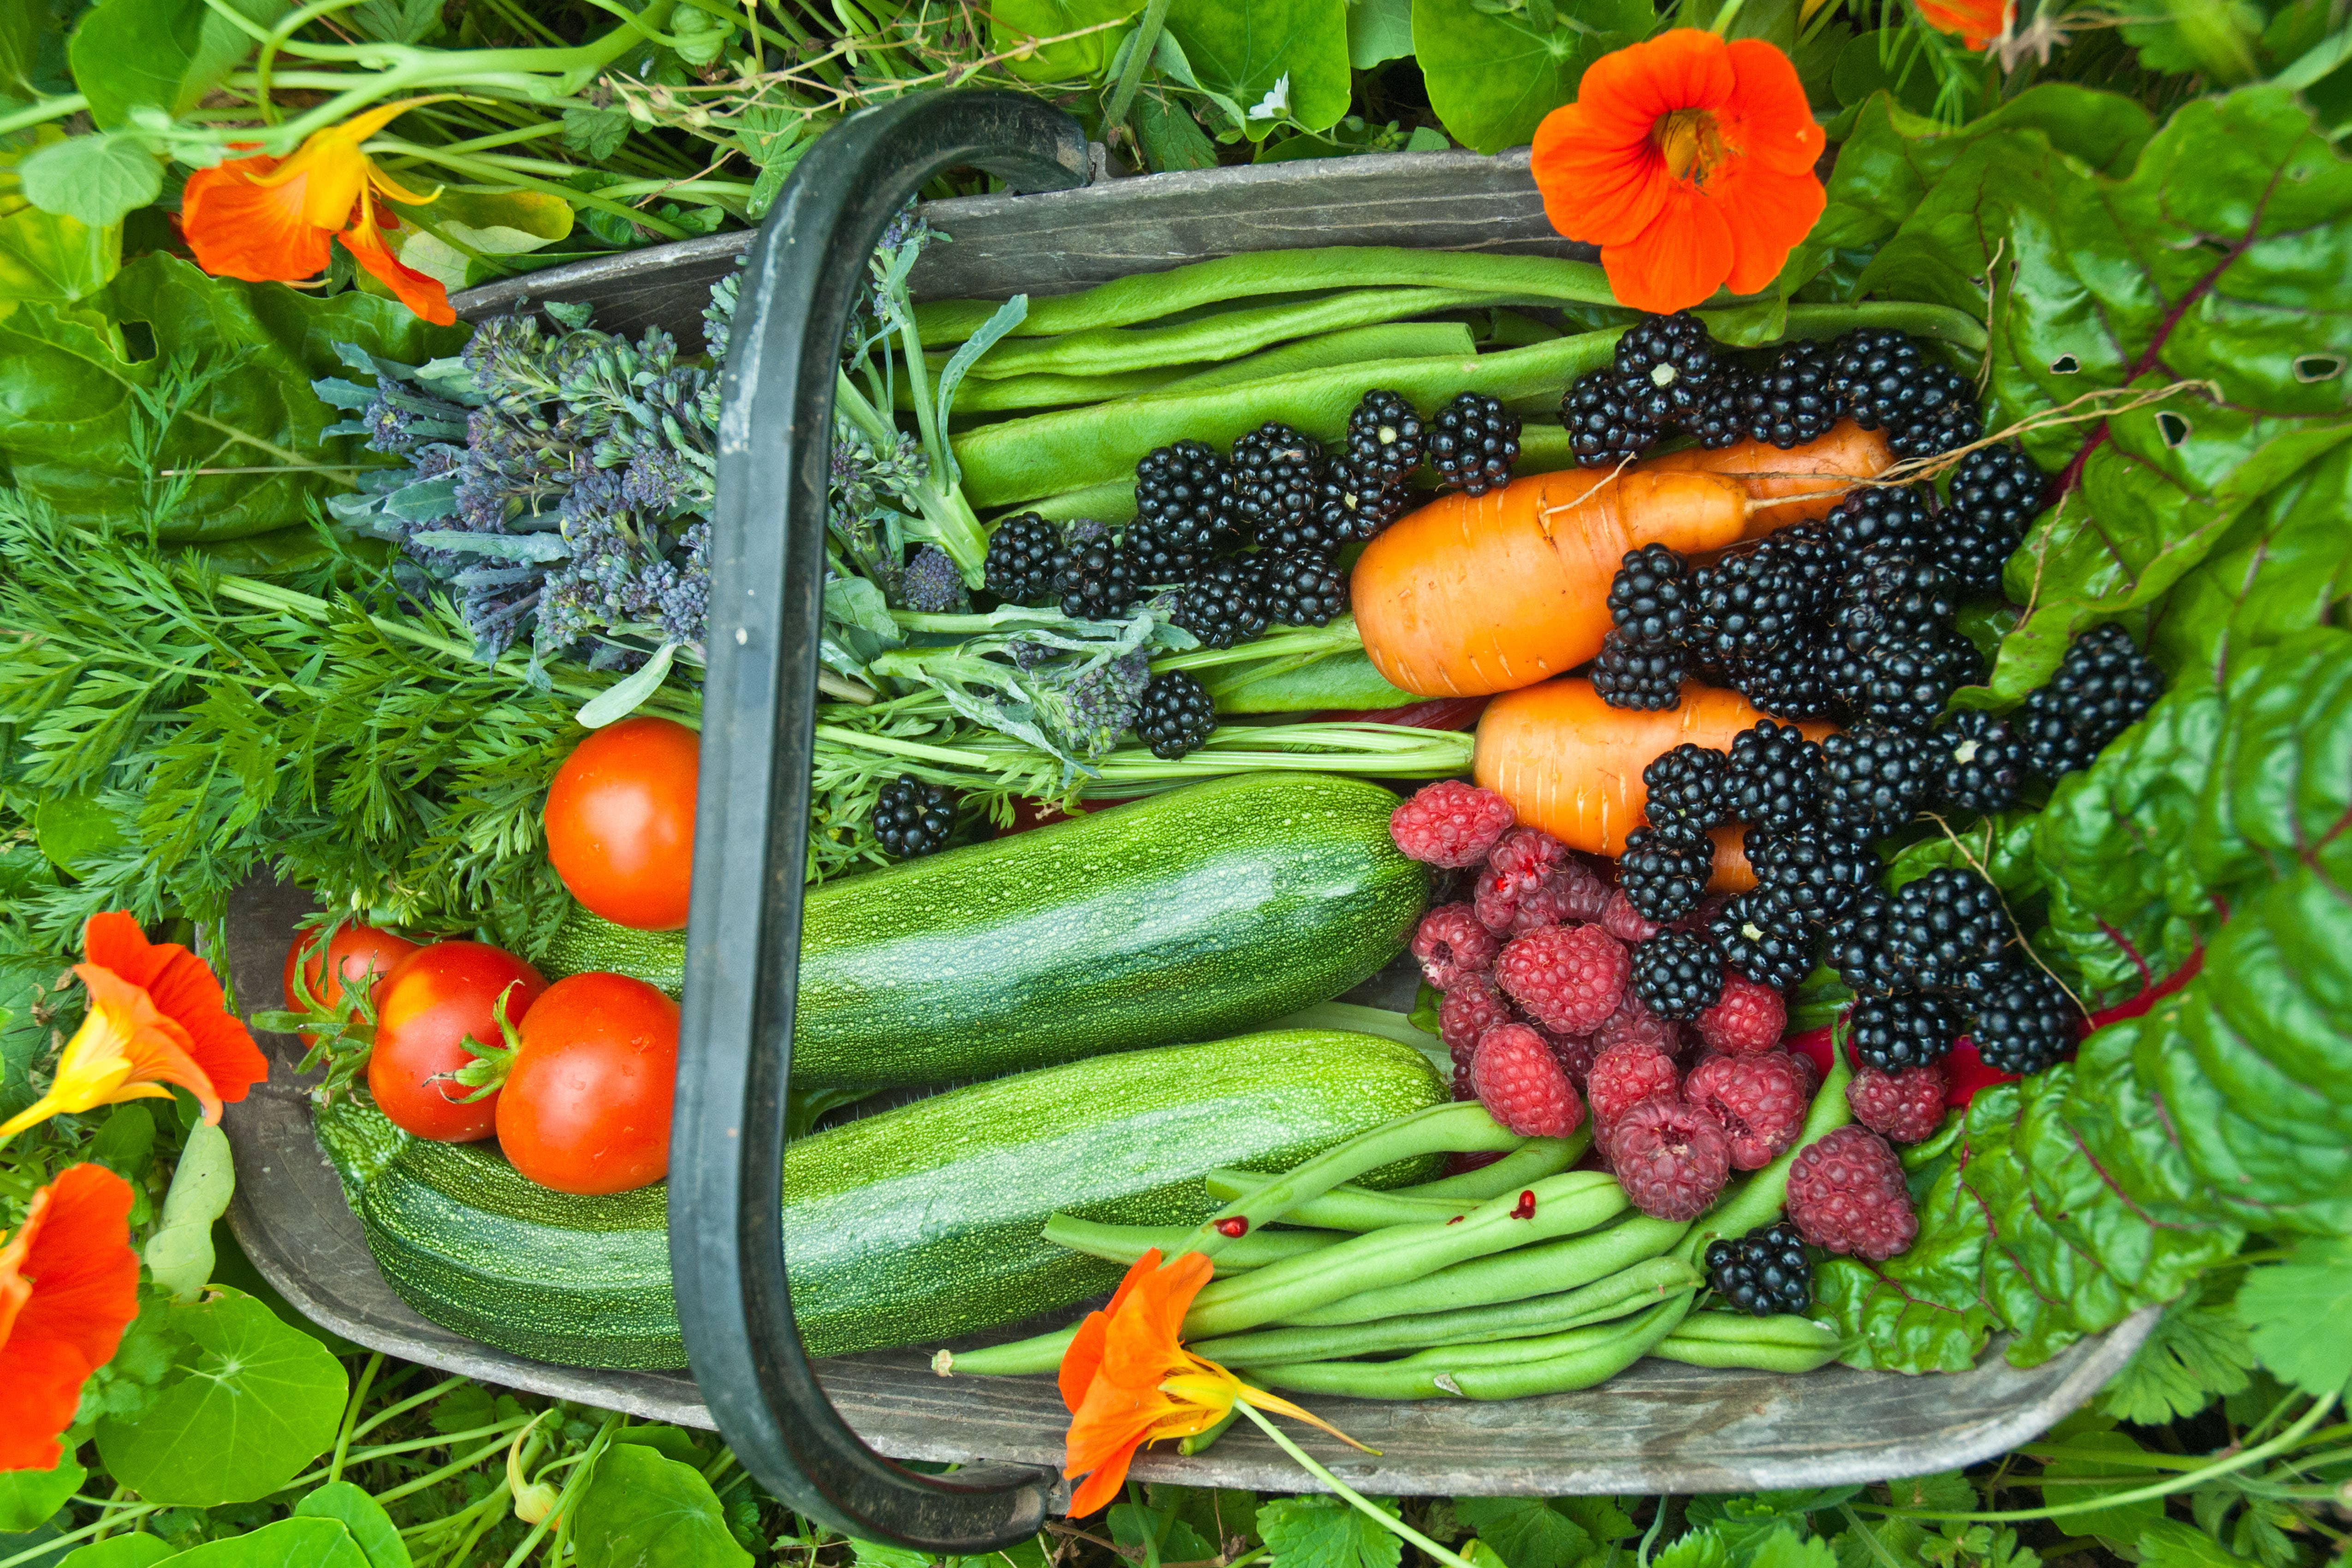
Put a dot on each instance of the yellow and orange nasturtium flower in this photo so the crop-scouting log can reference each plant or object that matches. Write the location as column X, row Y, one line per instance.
column 1977, row 22
column 1689, row 162
column 265, row 220
column 68, row 1287
column 1128, row 1381
column 157, row 1016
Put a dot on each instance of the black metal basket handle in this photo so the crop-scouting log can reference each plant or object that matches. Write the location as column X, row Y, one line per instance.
column 767, row 577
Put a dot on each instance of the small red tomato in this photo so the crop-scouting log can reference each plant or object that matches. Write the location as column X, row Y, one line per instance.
column 586, row 1105
column 425, row 1009
column 354, row 954
column 620, row 822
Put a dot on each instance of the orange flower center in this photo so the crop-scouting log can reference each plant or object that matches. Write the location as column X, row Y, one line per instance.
column 1692, row 143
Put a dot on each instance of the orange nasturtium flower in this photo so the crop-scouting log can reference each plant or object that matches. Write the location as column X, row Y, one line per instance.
column 1128, row 1381
column 1689, row 162
column 267, row 221
column 68, row 1287
column 1977, row 22
column 157, row 1016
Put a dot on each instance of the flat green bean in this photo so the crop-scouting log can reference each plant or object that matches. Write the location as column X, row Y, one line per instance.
column 1627, row 1290
column 1228, row 335
column 1548, row 1363
column 1783, row 1342
column 1510, row 1277
column 1540, row 1157
column 1347, row 1206
column 1564, row 1204
column 1148, row 296
column 1126, row 1243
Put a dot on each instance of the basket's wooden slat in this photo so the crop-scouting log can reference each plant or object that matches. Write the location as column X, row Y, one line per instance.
column 1000, row 245
column 1655, row 1428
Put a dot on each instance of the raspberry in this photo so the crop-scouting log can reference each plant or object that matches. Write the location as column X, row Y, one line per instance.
column 1625, row 1075
column 1451, row 943
column 1906, row 1106
column 1528, row 853
column 1634, row 1022
column 1573, row 1052
column 1846, row 1194
column 1450, row 823
column 1621, row 919
column 1569, row 977
column 1516, row 892
column 1672, row 1159
column 1521, row 1085
column 1759, row 1101
column 1463, row 1091
column 1583, row 894
column 1749, row 1018
column 1470, row 1009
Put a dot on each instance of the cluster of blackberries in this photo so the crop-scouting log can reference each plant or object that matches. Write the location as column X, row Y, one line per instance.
column 1669, row 375
column 911, row 818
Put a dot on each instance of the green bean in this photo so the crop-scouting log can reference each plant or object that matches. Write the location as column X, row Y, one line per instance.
column 1013, row 1358
column 1627, row 1290
column 1394, row 340
column 1148, row 296
column 1347, row 1206
column 1112, row 500
column 1021, row 459
column 1228, row 335
column 1761, row 1198
column 1513, row 1368
column 1126, row 1243
column 1539, row 1157
column 1564, row 1204
column 1512, row 1277
column 1198, row 1443
column 1783, row 1342
column 977, row 396
column 1389, row 1025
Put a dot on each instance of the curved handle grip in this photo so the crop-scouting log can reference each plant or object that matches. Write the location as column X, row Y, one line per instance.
column 727, row 1143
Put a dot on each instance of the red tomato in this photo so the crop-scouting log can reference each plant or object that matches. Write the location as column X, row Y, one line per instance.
column 424, row 1010
column 586, row 1106
column 620, row 822
column 354, row 954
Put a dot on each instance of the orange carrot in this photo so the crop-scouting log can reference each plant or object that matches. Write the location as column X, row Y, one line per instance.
column 1470, row 595
column 1570, row 764
column 1847, row 452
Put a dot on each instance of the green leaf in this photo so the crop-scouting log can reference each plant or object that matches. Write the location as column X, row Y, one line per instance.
column 1131, row 1526
column 1493, row 74
column 27, row 1497
column 670, row 1442
column 2169, row 1543
column 75, row 828
column 1378, row 31
column 642, row 1511
column 2295, row 1311
column 1785, row 1549
column 2284, row 566
column 1250, row 49
column 1696, row 1549
column 1012, row 23
column 134, row 54
column 2197, row 1353
column 1599, row 1517
column 288, row 1543
column 2119, row 1523
column 372, row 1529
column 94, row 180
column 1527, row 1532
column 701, row 35
column 179, row 1256
column 595, row 132
column 1170, row 138
column 120, row 1552
column 1324, row 1533
column 236, row 1419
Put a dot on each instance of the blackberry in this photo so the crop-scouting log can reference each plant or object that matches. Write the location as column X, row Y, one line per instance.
column 1473, row 442
column 1942, row 415
column 1605, row 425
column 1819, row 870
column 1787, row 682
column 1775, row 779
column 1905, row 685
column 1746, row 606
column 1664, row 875
column 1816, row 561
column 1176, row 715
column 1648, row 599
column 1182, row 495
column 1878, row 779
column 1763, row 1273
column 1152, row 560
column 1763, row 934
column 1845, row 674
column 2052, row 747
column 1893, row 1034
column 911, row 818
column 1097, row 580
column 1667, row 362
column 1793, row 401
column 1024, row 557
column 1721, row 417
column 1996, row 492
column 1350, row 508
column 1646, row 678
column 1224, row 604
column 1874, row 372
column 1894, row 598
column 1889, row 519
column 2024, row 1021
column 1384, row 440
column 1677, row 974
column 1949, row 931
column 1274, row 471
column 1686, row 788
column 1980, row 760
column 1861, row 945
column 1301, row 588
column 2103, row 687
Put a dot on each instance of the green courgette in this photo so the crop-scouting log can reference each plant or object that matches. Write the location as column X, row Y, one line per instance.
column 1188, row 916
column 915, row 1224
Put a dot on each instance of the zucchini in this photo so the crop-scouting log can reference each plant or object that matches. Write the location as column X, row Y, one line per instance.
column 917, row 1223
column 1188, row 916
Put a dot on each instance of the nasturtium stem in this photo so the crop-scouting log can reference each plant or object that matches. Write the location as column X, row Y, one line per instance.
column 351, row 1414
column 1139, row 54
column 1355, row 1500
